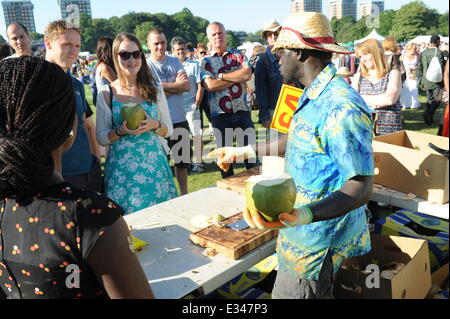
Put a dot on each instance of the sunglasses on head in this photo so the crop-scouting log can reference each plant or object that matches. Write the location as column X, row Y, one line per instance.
column 126, row 55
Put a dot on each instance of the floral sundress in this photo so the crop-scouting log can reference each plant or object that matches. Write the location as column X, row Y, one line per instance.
column 137, row 171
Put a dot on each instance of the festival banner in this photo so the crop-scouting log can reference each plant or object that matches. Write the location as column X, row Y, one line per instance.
column 286, row 106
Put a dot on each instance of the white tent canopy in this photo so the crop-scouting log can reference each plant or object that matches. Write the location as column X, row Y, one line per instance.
column 373, row 35
column 248, row 47
column 426, row 39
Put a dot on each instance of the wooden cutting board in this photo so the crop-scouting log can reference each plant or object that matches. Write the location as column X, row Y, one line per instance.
column 230, row 242
column 237, row 182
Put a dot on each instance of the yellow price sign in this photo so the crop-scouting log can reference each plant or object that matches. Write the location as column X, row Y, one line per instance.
column 286, row 106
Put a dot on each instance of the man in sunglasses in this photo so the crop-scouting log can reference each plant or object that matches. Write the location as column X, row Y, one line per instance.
column 268, row 79
column 328, row 153
column 175, row 82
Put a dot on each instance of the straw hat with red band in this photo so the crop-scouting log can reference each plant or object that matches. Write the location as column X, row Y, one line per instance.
column 309, row 31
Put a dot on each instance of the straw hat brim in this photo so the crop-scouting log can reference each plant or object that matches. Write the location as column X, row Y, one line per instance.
column 273, row 29
column 289, row 44
column 308, row 31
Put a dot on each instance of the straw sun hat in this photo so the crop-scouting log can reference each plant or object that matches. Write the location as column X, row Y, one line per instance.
column 308, row 30
column 270, row 26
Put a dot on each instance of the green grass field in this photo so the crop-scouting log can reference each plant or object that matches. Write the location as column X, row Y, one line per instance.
column 412, row 120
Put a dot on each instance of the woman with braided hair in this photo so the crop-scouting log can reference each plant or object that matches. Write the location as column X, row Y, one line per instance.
column 56, row 241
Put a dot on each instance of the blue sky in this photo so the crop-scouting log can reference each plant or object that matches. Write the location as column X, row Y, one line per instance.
column 237, row 15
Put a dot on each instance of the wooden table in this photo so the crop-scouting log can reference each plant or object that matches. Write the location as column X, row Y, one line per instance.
column 174, row 266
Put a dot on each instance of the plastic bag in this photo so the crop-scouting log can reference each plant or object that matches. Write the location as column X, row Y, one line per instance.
column 434, row 72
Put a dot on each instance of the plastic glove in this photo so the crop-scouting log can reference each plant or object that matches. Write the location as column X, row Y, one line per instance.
column 227, row 155
column 297, row 217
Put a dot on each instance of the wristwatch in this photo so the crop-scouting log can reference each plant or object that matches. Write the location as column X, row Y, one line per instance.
column 220, row 76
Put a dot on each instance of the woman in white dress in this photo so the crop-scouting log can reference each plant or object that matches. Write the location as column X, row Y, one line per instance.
column 410, row 93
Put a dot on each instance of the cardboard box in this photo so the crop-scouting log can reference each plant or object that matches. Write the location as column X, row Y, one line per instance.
column 412, row 282
column 440, row 276
column 407, row 223
column 404, row 162
column 439, row 280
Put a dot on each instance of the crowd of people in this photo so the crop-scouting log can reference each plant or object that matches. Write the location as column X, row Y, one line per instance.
column 55, row 198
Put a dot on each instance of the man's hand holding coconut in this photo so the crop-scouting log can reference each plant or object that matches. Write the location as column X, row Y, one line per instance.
column 269, row 199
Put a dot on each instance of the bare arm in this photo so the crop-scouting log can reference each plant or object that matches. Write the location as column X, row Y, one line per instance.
column 355, row 193
column 213, row 85
column 91, row 134
column 116, row 267
column 199, row 95
column 163, row 109
column 419, row 68
column 108, row 73
column 239, row 76
column 180, row 85
column 391, row 95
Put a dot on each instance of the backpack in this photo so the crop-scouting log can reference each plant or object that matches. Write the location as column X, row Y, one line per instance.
column 434, row 72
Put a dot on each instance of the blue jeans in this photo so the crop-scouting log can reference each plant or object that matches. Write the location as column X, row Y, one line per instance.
column 226, row 129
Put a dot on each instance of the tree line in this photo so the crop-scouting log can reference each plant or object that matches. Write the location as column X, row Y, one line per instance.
column 411, row 20
column 183, row 23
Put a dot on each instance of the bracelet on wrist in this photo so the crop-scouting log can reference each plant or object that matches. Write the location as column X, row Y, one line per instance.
column 118, row 133
column 159, row 127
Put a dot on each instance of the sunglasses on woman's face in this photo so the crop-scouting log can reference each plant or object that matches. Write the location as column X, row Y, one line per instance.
column 202, row 52
column 126, row 55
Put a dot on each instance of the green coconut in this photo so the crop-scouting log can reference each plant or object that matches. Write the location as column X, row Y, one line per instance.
column 270, row 195
column 133, row 115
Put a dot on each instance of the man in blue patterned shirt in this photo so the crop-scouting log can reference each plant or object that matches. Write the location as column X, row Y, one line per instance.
column 328, row 153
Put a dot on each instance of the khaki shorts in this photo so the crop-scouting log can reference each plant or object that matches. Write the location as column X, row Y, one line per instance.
column 195, row 124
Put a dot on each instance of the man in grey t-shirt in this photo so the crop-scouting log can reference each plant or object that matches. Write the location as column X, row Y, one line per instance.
column 175, row 82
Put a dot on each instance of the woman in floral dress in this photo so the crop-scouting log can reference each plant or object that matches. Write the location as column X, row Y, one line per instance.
column 137, row 172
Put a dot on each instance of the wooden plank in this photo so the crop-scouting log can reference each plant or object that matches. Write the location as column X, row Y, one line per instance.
column 237, row 182
column 230, row 242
